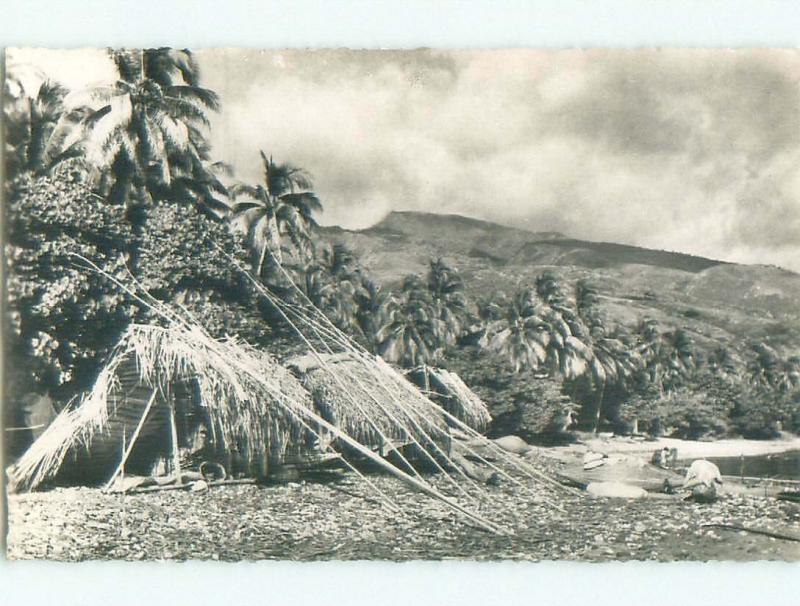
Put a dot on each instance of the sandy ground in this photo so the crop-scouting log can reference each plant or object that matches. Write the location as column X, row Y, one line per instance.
column 338, row 518
column 687, row 449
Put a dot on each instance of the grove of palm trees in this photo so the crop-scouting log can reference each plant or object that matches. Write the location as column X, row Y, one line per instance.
column 120, row 184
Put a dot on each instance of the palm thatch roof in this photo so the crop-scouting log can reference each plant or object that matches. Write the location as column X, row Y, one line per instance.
column 247, row 401
column 370, row 401
column 446, row 389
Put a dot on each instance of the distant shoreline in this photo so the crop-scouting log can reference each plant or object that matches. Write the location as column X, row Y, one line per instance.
column 687, row 449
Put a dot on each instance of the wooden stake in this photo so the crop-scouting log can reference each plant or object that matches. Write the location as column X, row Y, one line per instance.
column 176, row 458
column 127, row 451
column 124, row 448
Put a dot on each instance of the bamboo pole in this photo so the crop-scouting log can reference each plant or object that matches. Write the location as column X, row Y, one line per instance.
column 168, row 487
column 409, row 479
column 124, row 448
column 127, row 451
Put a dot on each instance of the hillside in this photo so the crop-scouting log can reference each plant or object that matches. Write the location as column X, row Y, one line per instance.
column 713, row 299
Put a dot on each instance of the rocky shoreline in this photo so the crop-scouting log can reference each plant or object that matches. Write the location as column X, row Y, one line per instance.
column 339, row 519
column 686, row 449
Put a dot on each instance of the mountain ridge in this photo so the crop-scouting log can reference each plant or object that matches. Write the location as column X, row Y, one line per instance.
column 710, row 297
column 407, row 223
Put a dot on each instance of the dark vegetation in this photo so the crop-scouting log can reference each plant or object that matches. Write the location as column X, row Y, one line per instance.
column 539, row 325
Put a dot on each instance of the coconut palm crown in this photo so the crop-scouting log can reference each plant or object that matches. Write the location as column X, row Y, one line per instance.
column 147, row 128
column 282, row 206
column 35, row 127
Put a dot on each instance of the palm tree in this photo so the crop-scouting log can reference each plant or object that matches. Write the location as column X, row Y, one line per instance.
column 680, row 357
column 614, row 359
column 769, row 370
column 410, row 334
column 146, row 125
column 549, row 289
column 198, row 184
column 615, row 362
column 283, row 206
column 569, row 352
column 587, row 304
column 34, row 128
column 540, row 330
column 450, row 304
column 332, row 281
column 649, row 347
column 371, row 300
column 669, row 357
column 522, row 334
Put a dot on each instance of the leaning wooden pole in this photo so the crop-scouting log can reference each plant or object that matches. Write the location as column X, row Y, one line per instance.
column 127, row 451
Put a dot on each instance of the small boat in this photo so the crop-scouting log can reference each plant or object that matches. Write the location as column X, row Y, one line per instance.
column 789, row 495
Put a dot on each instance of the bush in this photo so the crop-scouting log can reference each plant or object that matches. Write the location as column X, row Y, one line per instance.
column 682, row 413
column 63, row 318
column 762, row 414
column 691, row 416
column 180, row 260
column 519, row 403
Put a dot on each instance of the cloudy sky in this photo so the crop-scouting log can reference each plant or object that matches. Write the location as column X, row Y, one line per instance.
column 696, row 151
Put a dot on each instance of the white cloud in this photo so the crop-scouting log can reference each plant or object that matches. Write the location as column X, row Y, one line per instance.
column 73, row 68
column 665, row 149
column 697, row 151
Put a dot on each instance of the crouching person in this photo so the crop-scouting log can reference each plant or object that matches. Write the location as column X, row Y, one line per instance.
column 702, row 480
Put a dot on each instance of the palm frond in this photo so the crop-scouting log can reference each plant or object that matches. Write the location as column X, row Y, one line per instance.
column 205, row 97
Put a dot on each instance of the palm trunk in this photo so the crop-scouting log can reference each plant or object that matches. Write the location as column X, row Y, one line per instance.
column 261, row 260
column 599, row 408
column 274, row 238
column 272, row 245
column 135, row 214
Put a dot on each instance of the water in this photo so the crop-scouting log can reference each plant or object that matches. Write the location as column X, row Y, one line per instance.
column 785, row 465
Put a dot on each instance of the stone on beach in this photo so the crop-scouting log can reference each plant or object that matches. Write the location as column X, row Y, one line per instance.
column 513, row 444
column 615, row 490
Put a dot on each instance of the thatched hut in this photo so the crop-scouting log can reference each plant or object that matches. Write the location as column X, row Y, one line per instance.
column 446, row 389
column 370, row 401
column 164, row 392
